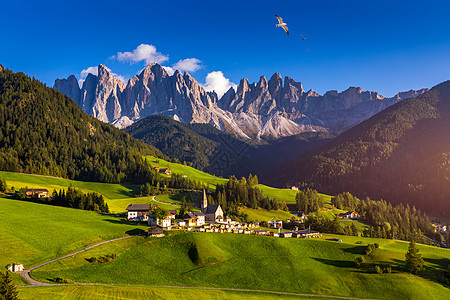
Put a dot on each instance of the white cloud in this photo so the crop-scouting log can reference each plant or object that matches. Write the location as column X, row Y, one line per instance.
column 169, row 70
column 188, row 64
column 143, row 52
column 216, row 81
column 85, row 72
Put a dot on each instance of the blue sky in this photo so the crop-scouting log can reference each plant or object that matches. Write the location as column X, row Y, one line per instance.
column 385, row 46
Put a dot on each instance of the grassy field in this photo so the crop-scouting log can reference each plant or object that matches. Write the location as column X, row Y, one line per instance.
column 34, row 233
column 311, row 266
column 110, row 191
column 188, row 171
column 100, row 292
column 265, row 215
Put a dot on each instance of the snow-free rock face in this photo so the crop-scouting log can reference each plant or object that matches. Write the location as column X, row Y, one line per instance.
column 266, row 109
column 69, row 87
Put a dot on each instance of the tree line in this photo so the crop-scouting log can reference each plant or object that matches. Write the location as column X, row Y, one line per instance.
column 390, row 221
column 244, row 192
column 72, row 197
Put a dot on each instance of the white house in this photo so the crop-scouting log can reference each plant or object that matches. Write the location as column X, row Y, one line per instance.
column 15, row 267
column 200, row 218
column 138, row 212
column 165, row 223
column 275, row 223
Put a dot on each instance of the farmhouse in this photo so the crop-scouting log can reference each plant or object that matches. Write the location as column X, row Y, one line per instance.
column 153, row 221
column 261, row 232
column 285, row 234
column 349, row 215
column 15, row 267
column 275, row 223
column 166, row 171
column 194, row 219
column 40, row 193
column 138, row 212
column 172, row 214
column 155, row 231
column 213, row 213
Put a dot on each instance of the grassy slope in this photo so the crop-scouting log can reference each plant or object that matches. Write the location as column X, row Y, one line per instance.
column 313, row 266
column 102, row 292
column 33, row 233
column 265, row 215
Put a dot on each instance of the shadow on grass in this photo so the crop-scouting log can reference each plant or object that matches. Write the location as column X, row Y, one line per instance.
column 336, row 263
column 133, row 191
column 439, row 272
column 136, row 231
column 355, row 250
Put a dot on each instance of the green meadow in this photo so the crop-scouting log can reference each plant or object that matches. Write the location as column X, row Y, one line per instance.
column 309, row 266
column 265, row 215
column 34, row 233
column 101, row 292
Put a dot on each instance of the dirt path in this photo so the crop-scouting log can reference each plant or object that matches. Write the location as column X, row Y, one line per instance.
column 26, row 273
column 154, row 199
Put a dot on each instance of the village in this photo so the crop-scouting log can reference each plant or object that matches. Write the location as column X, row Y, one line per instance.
column 210, row 219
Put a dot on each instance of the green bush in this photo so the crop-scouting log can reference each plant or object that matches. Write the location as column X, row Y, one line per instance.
column 378, row 270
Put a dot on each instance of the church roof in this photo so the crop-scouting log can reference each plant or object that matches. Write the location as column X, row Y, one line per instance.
column 212, row 209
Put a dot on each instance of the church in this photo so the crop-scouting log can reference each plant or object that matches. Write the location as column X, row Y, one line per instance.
column 213, row 213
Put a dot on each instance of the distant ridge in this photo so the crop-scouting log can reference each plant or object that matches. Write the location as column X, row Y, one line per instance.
column 401, row 154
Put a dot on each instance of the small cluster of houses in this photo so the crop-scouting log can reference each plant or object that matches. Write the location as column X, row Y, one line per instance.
column 438, row 227
column 166, row 171
column 209, row 219
column 40, row 193
column 351, row 214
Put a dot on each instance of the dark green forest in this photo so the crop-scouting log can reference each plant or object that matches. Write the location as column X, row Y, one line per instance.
column 389, row 221
column 243, row 192
column 402, row 155
column 44, row 132
column 175, row 140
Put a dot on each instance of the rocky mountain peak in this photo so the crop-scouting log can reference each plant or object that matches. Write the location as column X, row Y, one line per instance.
column 275, row 85
column 262, row 109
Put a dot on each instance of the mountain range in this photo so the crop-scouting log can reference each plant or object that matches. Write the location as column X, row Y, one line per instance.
column 266, row 109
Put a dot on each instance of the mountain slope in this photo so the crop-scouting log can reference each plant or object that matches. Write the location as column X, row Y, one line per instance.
column 216, row 152
column 266, row 109
column 44, row 132
column 205, row 147
column 401, row 155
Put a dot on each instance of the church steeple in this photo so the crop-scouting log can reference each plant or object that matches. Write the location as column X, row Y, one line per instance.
column 204, row 203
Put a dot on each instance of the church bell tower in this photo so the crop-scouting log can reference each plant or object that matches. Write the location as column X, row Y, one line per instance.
column 204, row 204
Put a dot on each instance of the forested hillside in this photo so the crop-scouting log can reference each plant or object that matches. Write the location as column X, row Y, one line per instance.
column 44, row 132
column 401, row 155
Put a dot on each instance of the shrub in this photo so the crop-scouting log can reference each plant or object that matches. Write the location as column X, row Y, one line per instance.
column 388, row 269
column 378, row 270
column 358, row 261
column 62, row 280
column 376, row 245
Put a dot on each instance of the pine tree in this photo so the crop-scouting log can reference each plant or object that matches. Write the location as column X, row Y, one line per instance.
column 414, row 261
column 8, row 290
column 2, row 185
